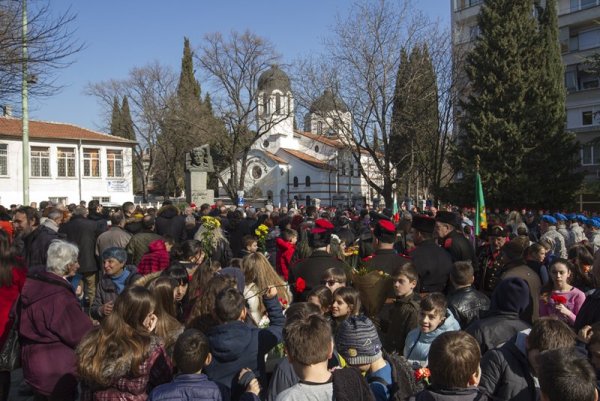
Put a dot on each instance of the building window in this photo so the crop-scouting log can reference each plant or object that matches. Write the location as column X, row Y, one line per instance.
column 66, row 162
column 351, row 169
column 474, row 32
column 265, row 144
column 295, row 182
column 307, row 181
column 277, row 103
column 114, row 163
column 256, row 172
column 101, row 199
column 91, row 162
column 587, row 118
column 590, row 154
column 265, row 104
column 320, row 128
column 589, row 39
column 3, row 159
column 40, row 162
column 317, row 149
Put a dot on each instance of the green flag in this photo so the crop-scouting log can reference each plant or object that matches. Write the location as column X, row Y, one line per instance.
column 480, row 216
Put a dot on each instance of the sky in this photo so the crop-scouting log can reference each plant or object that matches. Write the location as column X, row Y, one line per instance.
column 122, row 34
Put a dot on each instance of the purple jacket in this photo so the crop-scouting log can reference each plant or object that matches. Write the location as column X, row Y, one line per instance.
column 52, row 325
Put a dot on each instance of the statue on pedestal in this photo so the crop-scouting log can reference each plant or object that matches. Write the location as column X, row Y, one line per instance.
column 199, row 159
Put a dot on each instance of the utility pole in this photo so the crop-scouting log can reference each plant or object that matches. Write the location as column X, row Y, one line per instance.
column 25, row 107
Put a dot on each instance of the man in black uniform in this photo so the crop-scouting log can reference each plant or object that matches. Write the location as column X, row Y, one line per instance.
column 433, row 264
column 384, row 258
column 447, row 231
column 306, row 273
column 490, row 266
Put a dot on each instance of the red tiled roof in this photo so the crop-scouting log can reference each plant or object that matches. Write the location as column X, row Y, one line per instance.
column 336, row 143
column 313, row 161
column 48, row 130
column 275, row 158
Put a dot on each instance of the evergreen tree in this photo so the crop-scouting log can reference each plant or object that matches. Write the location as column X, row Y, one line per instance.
column 115, row 122
column 127, row 128
column 514, row 114
column 189, row 87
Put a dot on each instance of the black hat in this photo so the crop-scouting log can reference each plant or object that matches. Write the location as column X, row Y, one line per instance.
column 510, row 295
column 422, row 223
column 375, row 217
column 449, row 218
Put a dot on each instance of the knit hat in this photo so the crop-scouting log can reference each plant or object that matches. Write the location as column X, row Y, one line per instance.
column 510, row 295
column 424, row 224
column 357, row 341
column 449, row 218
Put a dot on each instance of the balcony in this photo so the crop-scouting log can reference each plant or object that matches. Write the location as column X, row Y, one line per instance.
column 580, row 14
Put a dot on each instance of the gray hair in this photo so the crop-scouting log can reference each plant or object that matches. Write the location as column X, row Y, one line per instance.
column 80, row 211
column 55, row 213
column 60, row 255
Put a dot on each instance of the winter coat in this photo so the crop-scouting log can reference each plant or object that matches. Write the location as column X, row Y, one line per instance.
column 576, row 234
column 455, row 394
column 187, row 387
column 466, row 304
column 285, row 251
column 557, row 241
column 589, row 312
column 385, row 260
column 8, row 296
column 100, row 220
column 170, row 222
column 157, row 369
column 521, row 270
column 397, row 318
column 311, row 270
column 36, row 246
column 106, row 291
column 433, row 265
column 83, row 233
column 52, row 325
column 505, row 372
column 417, row 343
column 236, row 345
column 156, row 259
column 496, row 328
column 138, row 246
column 114, row 237
column 460, row 248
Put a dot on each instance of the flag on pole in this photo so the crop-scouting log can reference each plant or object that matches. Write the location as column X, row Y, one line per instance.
column 396, row 216
column 480, row 216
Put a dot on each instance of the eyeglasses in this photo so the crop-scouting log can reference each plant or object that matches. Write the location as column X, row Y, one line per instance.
column 330, row 283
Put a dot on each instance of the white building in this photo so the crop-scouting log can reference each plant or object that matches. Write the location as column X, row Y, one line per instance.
column 304, row 167
column 67, row 164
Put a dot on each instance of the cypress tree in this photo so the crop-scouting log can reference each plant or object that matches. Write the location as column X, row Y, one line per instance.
column 127, row 128
column 115, row 122
column 514, row 114
column 188, row 88
column 399, row 142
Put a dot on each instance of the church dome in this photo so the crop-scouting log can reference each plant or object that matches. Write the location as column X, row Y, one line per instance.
column 274, row 79
column 328, row 102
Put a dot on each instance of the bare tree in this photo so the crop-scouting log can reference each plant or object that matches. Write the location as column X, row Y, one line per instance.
column 50, row 42
column 234, row 65
column 360, row 65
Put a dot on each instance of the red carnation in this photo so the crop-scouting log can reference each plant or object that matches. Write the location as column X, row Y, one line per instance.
column 422, row 374
column 559, row 299
column 300, row 285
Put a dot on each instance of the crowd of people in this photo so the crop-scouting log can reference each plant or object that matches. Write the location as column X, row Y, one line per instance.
column 236, row 303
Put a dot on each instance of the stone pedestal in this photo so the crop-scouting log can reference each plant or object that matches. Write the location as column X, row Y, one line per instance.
column 195, row 188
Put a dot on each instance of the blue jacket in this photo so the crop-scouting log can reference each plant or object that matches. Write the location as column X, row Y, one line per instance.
column 187, row 387
column 416, row 347
column 236, row 345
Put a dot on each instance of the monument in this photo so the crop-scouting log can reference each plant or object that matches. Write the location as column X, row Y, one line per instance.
column 198, row 162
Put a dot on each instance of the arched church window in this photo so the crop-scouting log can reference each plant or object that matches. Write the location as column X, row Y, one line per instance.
column 265, row 103
column 320, row 128
column 278, row 104
column 307, row 181
column 295, row 181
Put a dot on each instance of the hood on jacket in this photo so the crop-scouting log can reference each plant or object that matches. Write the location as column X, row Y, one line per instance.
column 41, row 286
column 229, row 340
column 450, row 324
column 157, row 245
column 168, row 212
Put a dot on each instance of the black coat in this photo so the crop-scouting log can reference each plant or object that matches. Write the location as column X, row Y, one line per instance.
column 83, row 233
column 36, row 247
column 460, row 248
column 170, row 222
column 386, row 260
column 433, row 264
column 589, row 312
column 466, row 304
column 311, row 270
column 100, row 221
column 455, row 394
column 495, row 328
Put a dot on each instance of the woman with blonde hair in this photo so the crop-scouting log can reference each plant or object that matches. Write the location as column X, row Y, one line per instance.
column 122, row 358
column 210, row 231
column 259, row 276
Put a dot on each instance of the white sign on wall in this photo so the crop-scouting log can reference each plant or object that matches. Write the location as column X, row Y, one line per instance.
column 118, row 186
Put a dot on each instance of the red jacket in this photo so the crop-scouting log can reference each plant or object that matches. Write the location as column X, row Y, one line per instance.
column 8, row 295
column 157, row 259
column 285, row 251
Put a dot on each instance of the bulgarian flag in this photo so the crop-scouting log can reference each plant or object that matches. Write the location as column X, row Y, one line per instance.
column 396, row 216
column 480, row 216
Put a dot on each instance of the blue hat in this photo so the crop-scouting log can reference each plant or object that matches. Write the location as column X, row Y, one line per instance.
column 571, row 216
column 581, row 218
column 560, row 217
column 548, row 219
column 593, row 223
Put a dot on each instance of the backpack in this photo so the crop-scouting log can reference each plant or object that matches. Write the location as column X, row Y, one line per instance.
column 403, row 384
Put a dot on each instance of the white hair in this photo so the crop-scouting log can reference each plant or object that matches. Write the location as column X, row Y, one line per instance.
column 60, row 255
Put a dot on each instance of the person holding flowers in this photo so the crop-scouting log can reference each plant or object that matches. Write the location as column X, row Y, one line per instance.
column 560, row 298
column 214, row 243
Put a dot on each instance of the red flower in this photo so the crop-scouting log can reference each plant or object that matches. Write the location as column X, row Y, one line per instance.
column 300, row 285
column 559, row 299
column 422, row 374
column 282, row 301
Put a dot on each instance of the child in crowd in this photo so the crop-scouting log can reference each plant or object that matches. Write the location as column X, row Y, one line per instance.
column 180, row 275
column 235, row 345
column 249, row 245
column 464, row 301
column 401, row 314
column 560, row 298
column 454, row 364
column 168, row 327
column 116, row 276
column 286, row 246
column 334, row 278
column 323, row 298
column 565, row 375
column 157, row 258
column 346, row 303
column 358, row 343
column 434, row 319
column 122, row 358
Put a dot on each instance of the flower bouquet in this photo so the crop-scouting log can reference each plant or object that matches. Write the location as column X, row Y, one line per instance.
column 373, row 287
column 261, row 235
column 207, row 234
